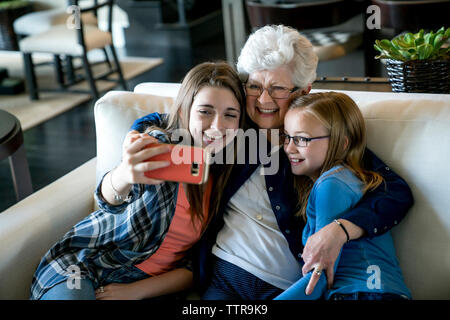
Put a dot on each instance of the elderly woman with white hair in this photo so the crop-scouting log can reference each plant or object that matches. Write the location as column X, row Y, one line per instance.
column 253, row 248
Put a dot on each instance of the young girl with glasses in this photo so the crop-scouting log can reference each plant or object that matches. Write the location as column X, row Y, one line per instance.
column 324, row 139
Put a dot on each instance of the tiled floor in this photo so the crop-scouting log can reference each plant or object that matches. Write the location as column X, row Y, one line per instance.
column 61, row 144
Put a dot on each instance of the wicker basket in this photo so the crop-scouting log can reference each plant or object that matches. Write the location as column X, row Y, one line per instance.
column 8, row 40
column 427, row 76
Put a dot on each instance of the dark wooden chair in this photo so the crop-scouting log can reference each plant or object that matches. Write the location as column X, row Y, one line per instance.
column 309, row 17
column 403, row 16
column 60, row 40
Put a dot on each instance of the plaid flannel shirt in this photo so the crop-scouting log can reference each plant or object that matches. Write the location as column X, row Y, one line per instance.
column 111, row 238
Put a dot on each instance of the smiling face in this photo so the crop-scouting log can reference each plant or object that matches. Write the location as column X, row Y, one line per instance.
column 305, row 160
column 214, row 111
column 266, row 112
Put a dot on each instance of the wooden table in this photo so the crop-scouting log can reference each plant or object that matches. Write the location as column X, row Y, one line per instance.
column 11, row 147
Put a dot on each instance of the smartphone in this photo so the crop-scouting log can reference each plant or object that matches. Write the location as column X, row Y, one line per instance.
column 187, row 164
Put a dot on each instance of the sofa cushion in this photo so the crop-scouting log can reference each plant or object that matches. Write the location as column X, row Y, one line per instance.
column 30, row 227
column 410, row 133
column 115, row 112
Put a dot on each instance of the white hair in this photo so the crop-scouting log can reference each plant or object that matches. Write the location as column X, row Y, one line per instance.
column 273, row 46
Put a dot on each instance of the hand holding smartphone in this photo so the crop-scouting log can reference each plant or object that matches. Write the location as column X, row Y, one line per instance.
column 187, row 164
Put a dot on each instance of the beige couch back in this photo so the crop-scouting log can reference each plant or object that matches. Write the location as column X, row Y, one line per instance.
column 409, row 132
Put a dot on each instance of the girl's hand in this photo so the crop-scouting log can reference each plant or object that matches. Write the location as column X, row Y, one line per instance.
column 117, row 291
column 133, row 166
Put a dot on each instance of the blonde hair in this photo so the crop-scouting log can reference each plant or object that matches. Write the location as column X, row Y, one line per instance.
column 340, row 115
column 207, row 74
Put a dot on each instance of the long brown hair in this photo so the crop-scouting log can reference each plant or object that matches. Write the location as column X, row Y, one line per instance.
column 340, row 115
column 207, row 74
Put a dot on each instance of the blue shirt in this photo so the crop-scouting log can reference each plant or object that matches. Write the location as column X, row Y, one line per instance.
column 364, row 265
column 377, row 212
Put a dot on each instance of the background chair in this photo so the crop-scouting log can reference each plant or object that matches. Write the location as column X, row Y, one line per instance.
column 40, row 21
column 403, row 16
column 8, row 15
column 310, row 18
column 60, row 40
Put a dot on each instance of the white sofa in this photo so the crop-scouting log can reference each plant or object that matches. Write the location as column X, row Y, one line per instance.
column 410, row 132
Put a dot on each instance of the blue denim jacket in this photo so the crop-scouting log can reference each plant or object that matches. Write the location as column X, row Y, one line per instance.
column 377, row 212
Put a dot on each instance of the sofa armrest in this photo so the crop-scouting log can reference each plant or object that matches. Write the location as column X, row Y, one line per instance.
column 29, row 228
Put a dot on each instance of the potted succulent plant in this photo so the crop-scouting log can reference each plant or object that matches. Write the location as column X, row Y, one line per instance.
column 9, row 11
column 417, row 62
